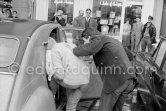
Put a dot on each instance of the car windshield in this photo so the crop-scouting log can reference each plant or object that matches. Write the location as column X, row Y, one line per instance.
column 8, row 50
column 72, row 34
column 161, row 53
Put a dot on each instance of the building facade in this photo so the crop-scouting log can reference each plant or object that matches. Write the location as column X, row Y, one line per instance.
column 114, row 11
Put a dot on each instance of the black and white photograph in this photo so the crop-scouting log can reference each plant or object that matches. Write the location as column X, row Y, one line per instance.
column 82, row 55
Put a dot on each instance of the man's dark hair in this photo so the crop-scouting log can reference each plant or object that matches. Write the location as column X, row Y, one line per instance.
column 150, row 17
column 89, row 10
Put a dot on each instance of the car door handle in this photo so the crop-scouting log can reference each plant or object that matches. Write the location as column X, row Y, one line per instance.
column 45, row 43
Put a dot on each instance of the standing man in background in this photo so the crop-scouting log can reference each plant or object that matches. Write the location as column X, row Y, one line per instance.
column 89, row 21
column 136, row 34
column 58, row 18
column 78, row 20
column 148, row 35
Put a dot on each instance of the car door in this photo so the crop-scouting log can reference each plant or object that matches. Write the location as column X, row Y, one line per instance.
column 31, row 92
column 160, row 62
column 154, row 79
column 9, row 47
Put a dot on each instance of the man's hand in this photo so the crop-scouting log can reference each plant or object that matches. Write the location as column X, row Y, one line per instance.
column 86, row 40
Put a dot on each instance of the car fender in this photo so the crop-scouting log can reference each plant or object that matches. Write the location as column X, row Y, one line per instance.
column 41, row 100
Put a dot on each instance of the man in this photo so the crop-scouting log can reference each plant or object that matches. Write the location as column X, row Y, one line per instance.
column 148, row 35
column 136, row 34
column 67, row 70
column 114, row 68
column 58, row 18
column 78, row 20
column 89, row 21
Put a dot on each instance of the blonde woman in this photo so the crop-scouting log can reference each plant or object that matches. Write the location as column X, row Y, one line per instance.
column 67, row 70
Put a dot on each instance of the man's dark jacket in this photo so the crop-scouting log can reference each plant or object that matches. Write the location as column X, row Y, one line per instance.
column 152, row 32
column 108, row 55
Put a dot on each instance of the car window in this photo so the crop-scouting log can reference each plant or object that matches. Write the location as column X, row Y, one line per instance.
column 54, row 34
column 160, row 54
column 8, row 51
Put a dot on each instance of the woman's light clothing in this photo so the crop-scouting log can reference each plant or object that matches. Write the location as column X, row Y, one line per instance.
column 68, row 67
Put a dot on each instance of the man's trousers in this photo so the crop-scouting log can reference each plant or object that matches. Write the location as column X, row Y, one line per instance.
column 114, row 100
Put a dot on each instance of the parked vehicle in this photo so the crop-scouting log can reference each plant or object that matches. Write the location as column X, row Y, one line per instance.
column 152, row 77
column 23, row 79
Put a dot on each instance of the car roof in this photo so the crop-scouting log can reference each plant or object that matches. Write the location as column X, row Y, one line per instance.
column 20, row 27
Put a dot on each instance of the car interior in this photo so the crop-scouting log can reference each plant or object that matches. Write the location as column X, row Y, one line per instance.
column 54, row 34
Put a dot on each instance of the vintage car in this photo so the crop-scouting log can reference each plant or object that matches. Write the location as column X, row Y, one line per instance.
column 23, row 79
column 151, row 72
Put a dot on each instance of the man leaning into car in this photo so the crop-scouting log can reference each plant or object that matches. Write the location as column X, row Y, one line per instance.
column 108, row 53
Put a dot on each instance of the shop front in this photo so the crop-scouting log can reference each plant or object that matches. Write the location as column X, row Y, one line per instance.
column 116, row 12
column 112, row 13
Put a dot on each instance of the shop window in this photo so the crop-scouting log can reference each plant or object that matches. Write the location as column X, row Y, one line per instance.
column 133, row 11
column 110, row 14
column 67, row 6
